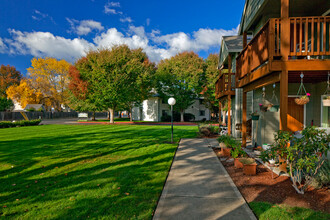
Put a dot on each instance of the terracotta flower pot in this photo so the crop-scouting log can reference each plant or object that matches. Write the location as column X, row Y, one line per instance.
column 250, row 169
column 226, row 152
column 237, row 163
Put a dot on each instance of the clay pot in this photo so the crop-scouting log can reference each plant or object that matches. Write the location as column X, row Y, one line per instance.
column 250, row 169
column 226, row 152
column 237, row 163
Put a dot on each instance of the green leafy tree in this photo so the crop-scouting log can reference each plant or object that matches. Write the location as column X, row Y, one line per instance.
column 5, row 104
column 9, row 76
column 114, row 77
column 212, row 73
column 181, row 77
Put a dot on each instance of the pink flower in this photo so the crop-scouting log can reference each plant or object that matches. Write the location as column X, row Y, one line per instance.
column 308, row 94
column 260, row 104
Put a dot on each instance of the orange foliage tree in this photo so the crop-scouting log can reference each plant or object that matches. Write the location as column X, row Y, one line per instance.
column 8, row 76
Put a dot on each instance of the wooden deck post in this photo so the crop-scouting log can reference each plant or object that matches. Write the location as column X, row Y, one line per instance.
column 285, row 30
column 219, row 114
column 229, row 114
column 244, row 121
column 284, row 86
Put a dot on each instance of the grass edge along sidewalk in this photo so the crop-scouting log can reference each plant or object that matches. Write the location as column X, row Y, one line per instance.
column 72, row 171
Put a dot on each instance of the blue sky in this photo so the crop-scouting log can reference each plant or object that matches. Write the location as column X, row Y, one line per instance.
column 67, row 29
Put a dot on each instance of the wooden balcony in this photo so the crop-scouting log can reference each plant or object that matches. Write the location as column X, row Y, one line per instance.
column 308, row 41
column 225, row 85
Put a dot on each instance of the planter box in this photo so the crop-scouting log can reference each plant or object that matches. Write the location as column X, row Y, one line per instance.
column 250, row 169
column 237, row 163
column 326, row 102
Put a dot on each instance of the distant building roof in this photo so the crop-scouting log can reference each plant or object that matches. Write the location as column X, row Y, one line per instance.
column 35, row 106
column 233, row 43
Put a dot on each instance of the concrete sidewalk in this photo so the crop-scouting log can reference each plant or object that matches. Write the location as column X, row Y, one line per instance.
column 199, row 187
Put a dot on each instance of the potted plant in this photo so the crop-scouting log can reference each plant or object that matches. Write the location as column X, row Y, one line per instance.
column 263, row 107
column 255, row 116
column 326, row 100
column 279, row 150
column 303, row 100
column 236, row 153
column 274, row 108
column 225, row 142
column 249, row 166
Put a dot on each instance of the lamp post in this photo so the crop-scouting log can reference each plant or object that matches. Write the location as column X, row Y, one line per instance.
column 171, row 101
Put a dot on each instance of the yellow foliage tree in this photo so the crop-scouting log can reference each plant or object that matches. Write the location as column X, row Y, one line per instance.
column 24, row 94
column 50, row 77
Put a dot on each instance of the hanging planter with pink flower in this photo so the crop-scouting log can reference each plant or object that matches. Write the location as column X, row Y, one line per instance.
column 304, row 96
column 303, row 100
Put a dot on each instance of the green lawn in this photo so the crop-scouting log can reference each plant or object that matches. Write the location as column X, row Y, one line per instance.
column 84, row 171
column 266, row 211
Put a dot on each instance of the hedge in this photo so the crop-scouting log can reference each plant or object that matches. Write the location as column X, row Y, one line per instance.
column 8, row 124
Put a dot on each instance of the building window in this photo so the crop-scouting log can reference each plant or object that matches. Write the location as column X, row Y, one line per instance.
column 201, row 113
column 201, row 101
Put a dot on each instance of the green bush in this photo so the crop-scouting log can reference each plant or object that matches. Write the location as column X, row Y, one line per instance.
column 8, row 124
column 207, row 130
column 177, row 117
column 322, row 177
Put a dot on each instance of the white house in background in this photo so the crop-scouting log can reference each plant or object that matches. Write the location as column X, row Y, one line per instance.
column 154, row 108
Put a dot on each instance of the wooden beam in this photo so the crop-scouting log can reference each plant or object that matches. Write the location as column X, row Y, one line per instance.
column 262, row 71
column 284, row 86
column 302, row 65
column 244, row 39
column 267, row 80
column 229, row 114
column 285, row 9
column 244, row 120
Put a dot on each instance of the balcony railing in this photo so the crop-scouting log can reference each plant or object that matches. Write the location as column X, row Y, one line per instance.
column 224, row 85
column 309, row 39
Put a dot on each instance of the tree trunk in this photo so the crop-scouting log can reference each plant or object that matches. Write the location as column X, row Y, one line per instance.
column 182, row 118
column 93, row 119
column 130, row 115
column 119, row 114
column 112, row 116
column 108, row 115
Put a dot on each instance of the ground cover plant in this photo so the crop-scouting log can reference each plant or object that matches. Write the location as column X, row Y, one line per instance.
column 84, row 171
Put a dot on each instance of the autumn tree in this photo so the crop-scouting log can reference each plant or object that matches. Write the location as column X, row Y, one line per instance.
column 50, row 77
column 9, row 76
column 114, row 76
column 181, row 77
column 24, row 94
column 212, row 73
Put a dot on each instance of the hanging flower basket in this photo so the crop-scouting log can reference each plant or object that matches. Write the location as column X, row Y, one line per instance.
column 326, row 102
column 263, row 108
column 274, row 108
column 255, row 117
column 302, row 100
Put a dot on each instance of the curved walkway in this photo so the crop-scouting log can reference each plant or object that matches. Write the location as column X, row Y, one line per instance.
column 199, row 187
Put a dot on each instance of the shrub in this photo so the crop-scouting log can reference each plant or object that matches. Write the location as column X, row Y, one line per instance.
column 322, row 177
column 207, row 130
column 237, row 151
column 8, row 124
column 177, row 117
column 305, row 156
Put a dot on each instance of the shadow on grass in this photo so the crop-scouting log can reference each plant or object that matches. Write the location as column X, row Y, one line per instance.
column 65, row 172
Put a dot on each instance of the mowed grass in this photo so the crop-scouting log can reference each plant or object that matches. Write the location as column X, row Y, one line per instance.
column 84, row 171
column 266, row 211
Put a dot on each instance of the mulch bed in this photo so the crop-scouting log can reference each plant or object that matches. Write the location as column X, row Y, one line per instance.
column 262, row 188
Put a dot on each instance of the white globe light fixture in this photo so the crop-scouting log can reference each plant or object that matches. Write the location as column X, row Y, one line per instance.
column 171, row 101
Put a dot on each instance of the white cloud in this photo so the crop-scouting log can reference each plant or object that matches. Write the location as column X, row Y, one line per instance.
column 156, row 45
column 38, row 16
column 126, row 19
column 3, row 47
column 109, row 8
column 42, row 44
column 84, row 27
